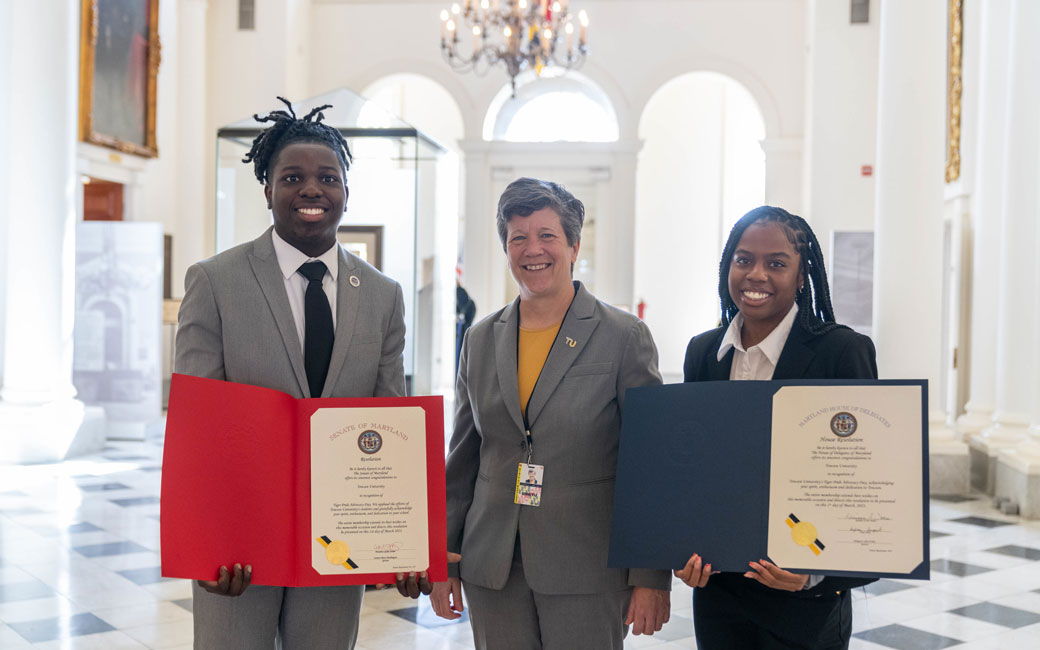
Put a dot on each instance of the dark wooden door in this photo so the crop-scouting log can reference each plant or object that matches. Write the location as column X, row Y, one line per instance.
column 102, row 201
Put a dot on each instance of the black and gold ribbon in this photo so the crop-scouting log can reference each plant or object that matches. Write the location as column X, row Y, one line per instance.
column 337, row 552
column 804, row 534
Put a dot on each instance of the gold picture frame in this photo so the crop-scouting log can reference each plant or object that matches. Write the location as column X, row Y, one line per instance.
column 364, row 241
column 118, row 66
column 955, row 31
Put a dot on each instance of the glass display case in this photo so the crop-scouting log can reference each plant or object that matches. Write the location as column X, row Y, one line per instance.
column 402, row 217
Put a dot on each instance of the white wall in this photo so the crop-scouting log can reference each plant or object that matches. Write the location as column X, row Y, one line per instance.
column 349, row 46
column 159, row 179
column 760, row 43
column 426, row 105
column 421, row 102
column 678, row 203
column 841, row 108
column 695, row 179
column 812, row 73
column 246, row 71
column 303, row 47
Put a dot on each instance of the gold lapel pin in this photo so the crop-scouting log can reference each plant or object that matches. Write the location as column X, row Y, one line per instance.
column 354, row 282
column 570, row 342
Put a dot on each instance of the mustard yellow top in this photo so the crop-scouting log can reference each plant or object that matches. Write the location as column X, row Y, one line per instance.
column 532, row 351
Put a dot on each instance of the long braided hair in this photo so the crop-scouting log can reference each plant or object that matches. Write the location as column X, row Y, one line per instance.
column 815, row 312
column 287, row 129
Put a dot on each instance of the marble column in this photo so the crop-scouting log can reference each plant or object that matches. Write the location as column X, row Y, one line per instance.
column 908, row 216
column 482, row 256
column 991, row 96
column 616, row 233
column 40, row 419
column 1034, row 427
column 976, row 424
column 1018, row 466
column 6, row 57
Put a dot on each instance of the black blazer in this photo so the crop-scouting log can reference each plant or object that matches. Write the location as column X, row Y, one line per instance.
column 838, row 354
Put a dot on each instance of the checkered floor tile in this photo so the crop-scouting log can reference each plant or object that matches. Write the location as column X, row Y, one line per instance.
column 79, row 568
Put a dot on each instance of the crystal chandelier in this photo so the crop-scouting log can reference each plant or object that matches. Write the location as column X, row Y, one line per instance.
column 520, row 34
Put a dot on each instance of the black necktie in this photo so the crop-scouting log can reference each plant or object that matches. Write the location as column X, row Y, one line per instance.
column 318, row 333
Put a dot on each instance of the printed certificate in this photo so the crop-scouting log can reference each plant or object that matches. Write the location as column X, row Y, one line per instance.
column 368, row 490
column 821, row 476
column 309, row 492
column 845, row 478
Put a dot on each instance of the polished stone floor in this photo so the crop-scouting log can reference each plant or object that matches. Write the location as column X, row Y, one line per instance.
column 79, row 568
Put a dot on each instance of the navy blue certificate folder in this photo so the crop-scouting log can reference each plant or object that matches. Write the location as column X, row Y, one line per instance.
column 693, row 475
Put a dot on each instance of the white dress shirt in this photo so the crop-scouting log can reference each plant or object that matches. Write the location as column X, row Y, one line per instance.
column 290, row 259
column 759, row 362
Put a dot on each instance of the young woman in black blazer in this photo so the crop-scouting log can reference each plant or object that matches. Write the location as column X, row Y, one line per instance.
column 777, row 321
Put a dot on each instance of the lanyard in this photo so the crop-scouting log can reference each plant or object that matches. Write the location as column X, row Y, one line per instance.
column 523, row 412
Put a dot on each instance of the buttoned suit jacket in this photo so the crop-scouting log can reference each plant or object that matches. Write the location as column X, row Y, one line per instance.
column 235, row 324
column 838, row 354
column 574, row 415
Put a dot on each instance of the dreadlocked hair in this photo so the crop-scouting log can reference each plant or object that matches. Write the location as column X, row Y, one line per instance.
column 815, row 312
column 287, row 129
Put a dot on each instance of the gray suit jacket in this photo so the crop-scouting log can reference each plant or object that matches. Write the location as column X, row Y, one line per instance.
column 235, row 324
column 575, row 419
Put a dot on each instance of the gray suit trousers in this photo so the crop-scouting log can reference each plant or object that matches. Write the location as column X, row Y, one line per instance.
column 516, row 618
column 300, row 618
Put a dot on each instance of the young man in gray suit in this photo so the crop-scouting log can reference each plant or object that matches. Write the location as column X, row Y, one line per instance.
column 291, row 311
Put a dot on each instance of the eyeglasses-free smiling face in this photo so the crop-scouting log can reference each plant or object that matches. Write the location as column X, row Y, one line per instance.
column 765, row 275
column 307, row 194
column 539, row 257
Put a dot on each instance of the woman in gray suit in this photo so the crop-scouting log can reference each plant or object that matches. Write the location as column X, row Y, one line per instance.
column 531, row 465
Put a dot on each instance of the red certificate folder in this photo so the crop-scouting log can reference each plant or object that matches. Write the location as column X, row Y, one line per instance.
column 236, row 483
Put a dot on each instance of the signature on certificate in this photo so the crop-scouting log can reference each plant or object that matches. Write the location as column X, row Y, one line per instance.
column 871, row 518
column 869, row 530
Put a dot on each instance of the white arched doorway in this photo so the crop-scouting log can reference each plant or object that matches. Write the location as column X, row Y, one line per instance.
column 426, row 105
column 558, row 106
column 560, row 127
column 420, row 101
column 700, row 169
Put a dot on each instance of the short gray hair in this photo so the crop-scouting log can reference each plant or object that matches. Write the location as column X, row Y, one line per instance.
column 527, row 195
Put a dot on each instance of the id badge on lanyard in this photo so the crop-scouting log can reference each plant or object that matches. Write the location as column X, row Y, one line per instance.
column 528, row 490
column 528, row 484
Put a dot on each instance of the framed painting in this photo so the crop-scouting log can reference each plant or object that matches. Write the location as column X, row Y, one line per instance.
column 954, row 30
column 119, row 63
column 364, row 241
